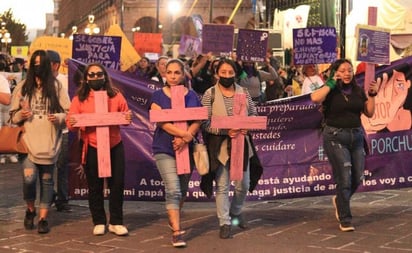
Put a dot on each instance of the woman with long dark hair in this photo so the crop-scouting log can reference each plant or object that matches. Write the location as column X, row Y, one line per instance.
column 40, row 104
column 96, row 78
column 343, row 102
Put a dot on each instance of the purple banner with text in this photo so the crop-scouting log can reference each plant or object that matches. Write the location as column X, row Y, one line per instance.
column 290, row 149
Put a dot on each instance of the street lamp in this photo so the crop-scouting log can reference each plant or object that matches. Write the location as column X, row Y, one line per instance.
column 5, row 36
column 74, row 31
column 174, row 6
column 136, row 29
column 91, row 28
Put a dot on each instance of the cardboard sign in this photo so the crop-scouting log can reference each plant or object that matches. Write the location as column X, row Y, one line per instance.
column 97, row 48
column 373, row 44
column 314, row 45
column 147, row 42
column 217, row 39
column 252, row 45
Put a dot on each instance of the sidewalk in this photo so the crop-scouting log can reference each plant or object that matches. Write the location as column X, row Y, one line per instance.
column 383, row 222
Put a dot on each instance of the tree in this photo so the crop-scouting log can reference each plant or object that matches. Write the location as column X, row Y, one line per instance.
column 16, row 29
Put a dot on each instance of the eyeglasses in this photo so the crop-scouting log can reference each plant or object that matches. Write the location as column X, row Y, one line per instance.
column 93, row 74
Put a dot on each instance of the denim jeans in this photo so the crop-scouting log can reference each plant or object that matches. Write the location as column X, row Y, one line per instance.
column 44, row 173
column 346, row 154
column 176, row 186
column 63, row 171
column 223, row 205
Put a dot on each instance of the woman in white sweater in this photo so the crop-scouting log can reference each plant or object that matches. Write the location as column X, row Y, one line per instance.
column 40, row 104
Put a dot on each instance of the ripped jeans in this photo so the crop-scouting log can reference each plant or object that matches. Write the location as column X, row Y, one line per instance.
column 346, row 154
column 44, row 173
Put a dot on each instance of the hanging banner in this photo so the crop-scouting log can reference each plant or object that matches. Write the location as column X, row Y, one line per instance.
column 290, row 149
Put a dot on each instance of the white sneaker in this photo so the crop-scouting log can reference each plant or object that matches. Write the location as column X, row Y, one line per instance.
column 99, row 229
column 118, row 229
column 13, row 159
column 2, row 160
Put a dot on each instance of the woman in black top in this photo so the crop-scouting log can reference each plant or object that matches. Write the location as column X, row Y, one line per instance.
column 343, row 102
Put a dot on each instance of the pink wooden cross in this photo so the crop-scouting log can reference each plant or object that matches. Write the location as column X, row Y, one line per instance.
column 239, row 120
column 179, row 114
column 101, row 119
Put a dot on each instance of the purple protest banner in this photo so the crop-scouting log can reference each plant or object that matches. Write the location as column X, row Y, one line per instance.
column 290, row 149
column 217, row 39
column 96, row 48
column 314, row 45
column 252, row 45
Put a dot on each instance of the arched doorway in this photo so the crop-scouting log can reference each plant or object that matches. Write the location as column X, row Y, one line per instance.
column 147, row 24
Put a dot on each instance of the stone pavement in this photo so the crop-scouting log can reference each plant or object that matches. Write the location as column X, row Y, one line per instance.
column 383, row 223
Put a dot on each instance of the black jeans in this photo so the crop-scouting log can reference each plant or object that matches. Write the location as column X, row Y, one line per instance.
column 115, row 185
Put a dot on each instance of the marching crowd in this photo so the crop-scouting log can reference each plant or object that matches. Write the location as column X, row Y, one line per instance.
column 37, row 98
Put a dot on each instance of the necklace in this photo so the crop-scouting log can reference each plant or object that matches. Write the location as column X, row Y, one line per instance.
column 346, row 91
column 345, row 97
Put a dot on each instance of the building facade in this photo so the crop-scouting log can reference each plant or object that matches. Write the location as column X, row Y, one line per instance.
column 148, row 15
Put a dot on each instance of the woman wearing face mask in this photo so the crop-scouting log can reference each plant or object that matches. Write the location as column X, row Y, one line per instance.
column 167, row 140
column 96, row 78
column 40, row 104
column 219, row 101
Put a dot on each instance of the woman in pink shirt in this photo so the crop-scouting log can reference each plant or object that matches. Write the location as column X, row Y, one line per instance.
column 95, row 78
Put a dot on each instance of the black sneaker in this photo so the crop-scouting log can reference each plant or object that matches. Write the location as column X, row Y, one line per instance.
column 238, row 220
column 346, row 226
column 43, row 227
column 177, row 241
column 28, row 219
column 225, row 231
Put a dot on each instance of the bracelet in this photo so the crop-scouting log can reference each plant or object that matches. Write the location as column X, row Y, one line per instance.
column 370, row 94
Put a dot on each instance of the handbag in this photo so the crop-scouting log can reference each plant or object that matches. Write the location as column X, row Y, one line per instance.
column 201, row 158
column 11, row 140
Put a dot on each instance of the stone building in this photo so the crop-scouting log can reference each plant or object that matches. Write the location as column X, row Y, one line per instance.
column 149, row 16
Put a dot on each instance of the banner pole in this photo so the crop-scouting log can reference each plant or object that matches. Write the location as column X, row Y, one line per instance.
column 234, row 12
column 191, row 8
